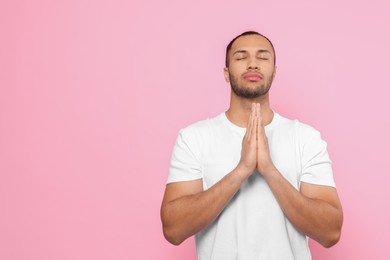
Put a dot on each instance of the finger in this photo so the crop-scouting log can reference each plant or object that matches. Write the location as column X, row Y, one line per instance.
column 249, row 127
column 253, row 110
column 250, row 122
column 262, row 137
column 254, row 129
column 254, row 122
column 259, row 126
column 258, row 110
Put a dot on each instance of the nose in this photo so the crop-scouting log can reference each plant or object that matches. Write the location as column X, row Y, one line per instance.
column 253, row 64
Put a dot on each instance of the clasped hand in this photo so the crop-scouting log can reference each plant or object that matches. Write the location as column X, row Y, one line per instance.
column 255, row 152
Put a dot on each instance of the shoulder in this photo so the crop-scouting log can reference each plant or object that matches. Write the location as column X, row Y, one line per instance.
column 309, row 139
column 284, row 122
column 195, row 138
column 304, row 134
column 202, row 129
column 303, row 129
column 308, row 133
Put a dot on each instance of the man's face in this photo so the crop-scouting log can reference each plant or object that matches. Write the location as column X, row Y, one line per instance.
column 251, row 66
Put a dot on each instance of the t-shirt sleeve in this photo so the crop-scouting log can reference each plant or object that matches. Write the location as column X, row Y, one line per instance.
column 316, row 164
column 185, row 161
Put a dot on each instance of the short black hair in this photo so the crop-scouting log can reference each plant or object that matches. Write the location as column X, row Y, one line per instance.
column 244, row 34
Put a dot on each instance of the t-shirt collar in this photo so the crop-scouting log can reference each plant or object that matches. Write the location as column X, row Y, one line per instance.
column 242, row 130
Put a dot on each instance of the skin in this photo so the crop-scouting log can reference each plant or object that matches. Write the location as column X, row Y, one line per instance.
column 314, row 210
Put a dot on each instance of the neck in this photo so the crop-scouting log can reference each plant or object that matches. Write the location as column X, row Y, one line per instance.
column 240, row 109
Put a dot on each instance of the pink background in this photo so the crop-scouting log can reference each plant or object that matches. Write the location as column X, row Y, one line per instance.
column 93, row 94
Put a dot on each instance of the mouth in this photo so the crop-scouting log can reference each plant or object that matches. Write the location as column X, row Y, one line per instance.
column 253, row 76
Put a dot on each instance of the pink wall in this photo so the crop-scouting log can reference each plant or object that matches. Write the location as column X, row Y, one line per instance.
column 93, row 94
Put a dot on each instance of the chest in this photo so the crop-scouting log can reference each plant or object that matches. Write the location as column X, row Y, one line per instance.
column 223, row 153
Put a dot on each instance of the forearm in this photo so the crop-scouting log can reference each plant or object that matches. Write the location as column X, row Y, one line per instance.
column 315, row 218
column 187, row 215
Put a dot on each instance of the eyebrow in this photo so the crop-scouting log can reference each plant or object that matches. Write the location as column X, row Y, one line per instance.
column 244, row 51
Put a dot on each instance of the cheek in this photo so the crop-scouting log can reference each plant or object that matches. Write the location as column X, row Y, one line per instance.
column 236, row 71
column 269, row 71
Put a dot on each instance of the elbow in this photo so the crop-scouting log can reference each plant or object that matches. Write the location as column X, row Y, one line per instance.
column 171, row 232
column 332, row 239
column 172, row 237
column 331, row 242
column 334, row 235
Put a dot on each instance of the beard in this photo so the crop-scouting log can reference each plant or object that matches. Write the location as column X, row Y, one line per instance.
column 250, row 92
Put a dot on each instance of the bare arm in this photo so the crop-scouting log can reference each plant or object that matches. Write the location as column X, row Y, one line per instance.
column 315, row 210
column 187, row 209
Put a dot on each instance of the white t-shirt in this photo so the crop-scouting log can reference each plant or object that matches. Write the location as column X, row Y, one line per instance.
column 252, row 225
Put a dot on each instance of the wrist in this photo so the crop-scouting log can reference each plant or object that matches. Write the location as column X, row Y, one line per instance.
column 267, row 170
column 243, row 171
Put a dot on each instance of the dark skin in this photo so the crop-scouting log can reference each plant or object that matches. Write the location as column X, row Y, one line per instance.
column 314, row 210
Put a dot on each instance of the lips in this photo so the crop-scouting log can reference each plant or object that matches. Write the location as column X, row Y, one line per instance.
column 252, row 76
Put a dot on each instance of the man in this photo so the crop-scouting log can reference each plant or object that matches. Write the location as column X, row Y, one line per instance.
column 249, row 183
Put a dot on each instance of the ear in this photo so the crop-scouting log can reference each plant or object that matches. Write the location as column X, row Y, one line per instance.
column 274, row 73
column 226, row 74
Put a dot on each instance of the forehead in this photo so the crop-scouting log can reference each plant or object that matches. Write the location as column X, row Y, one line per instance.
column 251, row 43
